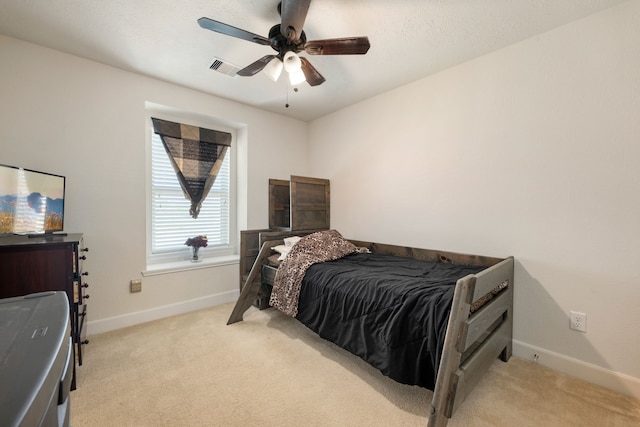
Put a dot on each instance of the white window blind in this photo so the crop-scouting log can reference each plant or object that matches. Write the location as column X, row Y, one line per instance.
column 171, row 224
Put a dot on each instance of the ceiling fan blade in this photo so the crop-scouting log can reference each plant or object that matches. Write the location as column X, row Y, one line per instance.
column 314, row 78
column 219, row 27
column 342, row 46
column 256, row 67
column 293, row 13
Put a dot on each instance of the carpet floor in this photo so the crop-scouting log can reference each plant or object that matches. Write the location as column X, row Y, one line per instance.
column 270, row 370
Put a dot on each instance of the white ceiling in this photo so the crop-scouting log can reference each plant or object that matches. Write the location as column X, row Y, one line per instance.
column 410, row 39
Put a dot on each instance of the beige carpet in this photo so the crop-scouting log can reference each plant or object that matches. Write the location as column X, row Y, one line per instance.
column 193, row 370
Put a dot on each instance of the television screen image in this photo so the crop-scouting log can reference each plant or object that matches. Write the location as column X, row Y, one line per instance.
column 30, row 201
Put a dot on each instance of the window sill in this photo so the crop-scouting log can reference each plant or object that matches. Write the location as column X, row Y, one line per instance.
column 178, row 266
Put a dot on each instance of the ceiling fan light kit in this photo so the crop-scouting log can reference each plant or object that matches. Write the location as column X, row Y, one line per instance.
column 296, row 77
column 288, row 39
column 293, row 66
column 292, row 62
column 273, row 69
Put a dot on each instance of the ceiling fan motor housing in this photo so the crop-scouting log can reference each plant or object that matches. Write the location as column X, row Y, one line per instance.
column 282, row 45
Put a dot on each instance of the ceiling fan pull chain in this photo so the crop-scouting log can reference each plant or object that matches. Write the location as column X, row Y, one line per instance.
column 295, row 89
column 287, row 104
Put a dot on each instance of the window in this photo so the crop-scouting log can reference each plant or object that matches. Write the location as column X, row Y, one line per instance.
column 170, row 222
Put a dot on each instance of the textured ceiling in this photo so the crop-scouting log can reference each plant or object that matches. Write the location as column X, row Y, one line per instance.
column 410, row 39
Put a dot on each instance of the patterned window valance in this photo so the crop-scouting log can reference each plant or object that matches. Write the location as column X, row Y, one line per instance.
column 196, row 155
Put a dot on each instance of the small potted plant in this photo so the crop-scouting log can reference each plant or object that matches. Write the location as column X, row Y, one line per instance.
column 195, row 243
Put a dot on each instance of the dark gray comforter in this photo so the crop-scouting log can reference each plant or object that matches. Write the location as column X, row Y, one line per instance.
column 390, row 311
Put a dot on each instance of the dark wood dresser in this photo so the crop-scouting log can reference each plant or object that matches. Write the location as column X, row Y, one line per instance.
column 53, row 263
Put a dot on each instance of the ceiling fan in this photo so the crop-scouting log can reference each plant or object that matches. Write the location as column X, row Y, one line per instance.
column 288, row 38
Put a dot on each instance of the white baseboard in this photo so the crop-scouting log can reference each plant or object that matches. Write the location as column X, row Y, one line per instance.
column 130, row 319
column 612, row 380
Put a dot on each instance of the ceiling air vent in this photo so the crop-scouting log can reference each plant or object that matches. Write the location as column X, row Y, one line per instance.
column 222, row 66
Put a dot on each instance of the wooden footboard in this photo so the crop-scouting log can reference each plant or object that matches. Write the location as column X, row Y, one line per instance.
column 473, row 342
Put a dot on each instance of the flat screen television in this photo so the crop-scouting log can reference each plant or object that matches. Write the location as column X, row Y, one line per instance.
column 31, row 202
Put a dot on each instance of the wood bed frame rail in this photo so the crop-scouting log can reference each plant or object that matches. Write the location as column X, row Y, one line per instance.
column 252, row 285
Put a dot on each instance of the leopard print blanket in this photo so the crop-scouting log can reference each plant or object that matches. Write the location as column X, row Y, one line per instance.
column 311, row 249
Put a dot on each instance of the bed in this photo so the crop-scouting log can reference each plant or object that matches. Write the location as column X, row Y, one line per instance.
column 443, row 336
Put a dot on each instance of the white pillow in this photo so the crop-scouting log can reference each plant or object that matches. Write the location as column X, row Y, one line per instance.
column 290, row 241
column 281, row 249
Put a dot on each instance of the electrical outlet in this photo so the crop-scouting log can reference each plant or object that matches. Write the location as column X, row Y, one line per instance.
column 578, row 321
column 136, row 286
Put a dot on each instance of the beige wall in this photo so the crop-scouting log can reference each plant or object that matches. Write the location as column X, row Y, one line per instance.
column 84, row 120
column 531, row 151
